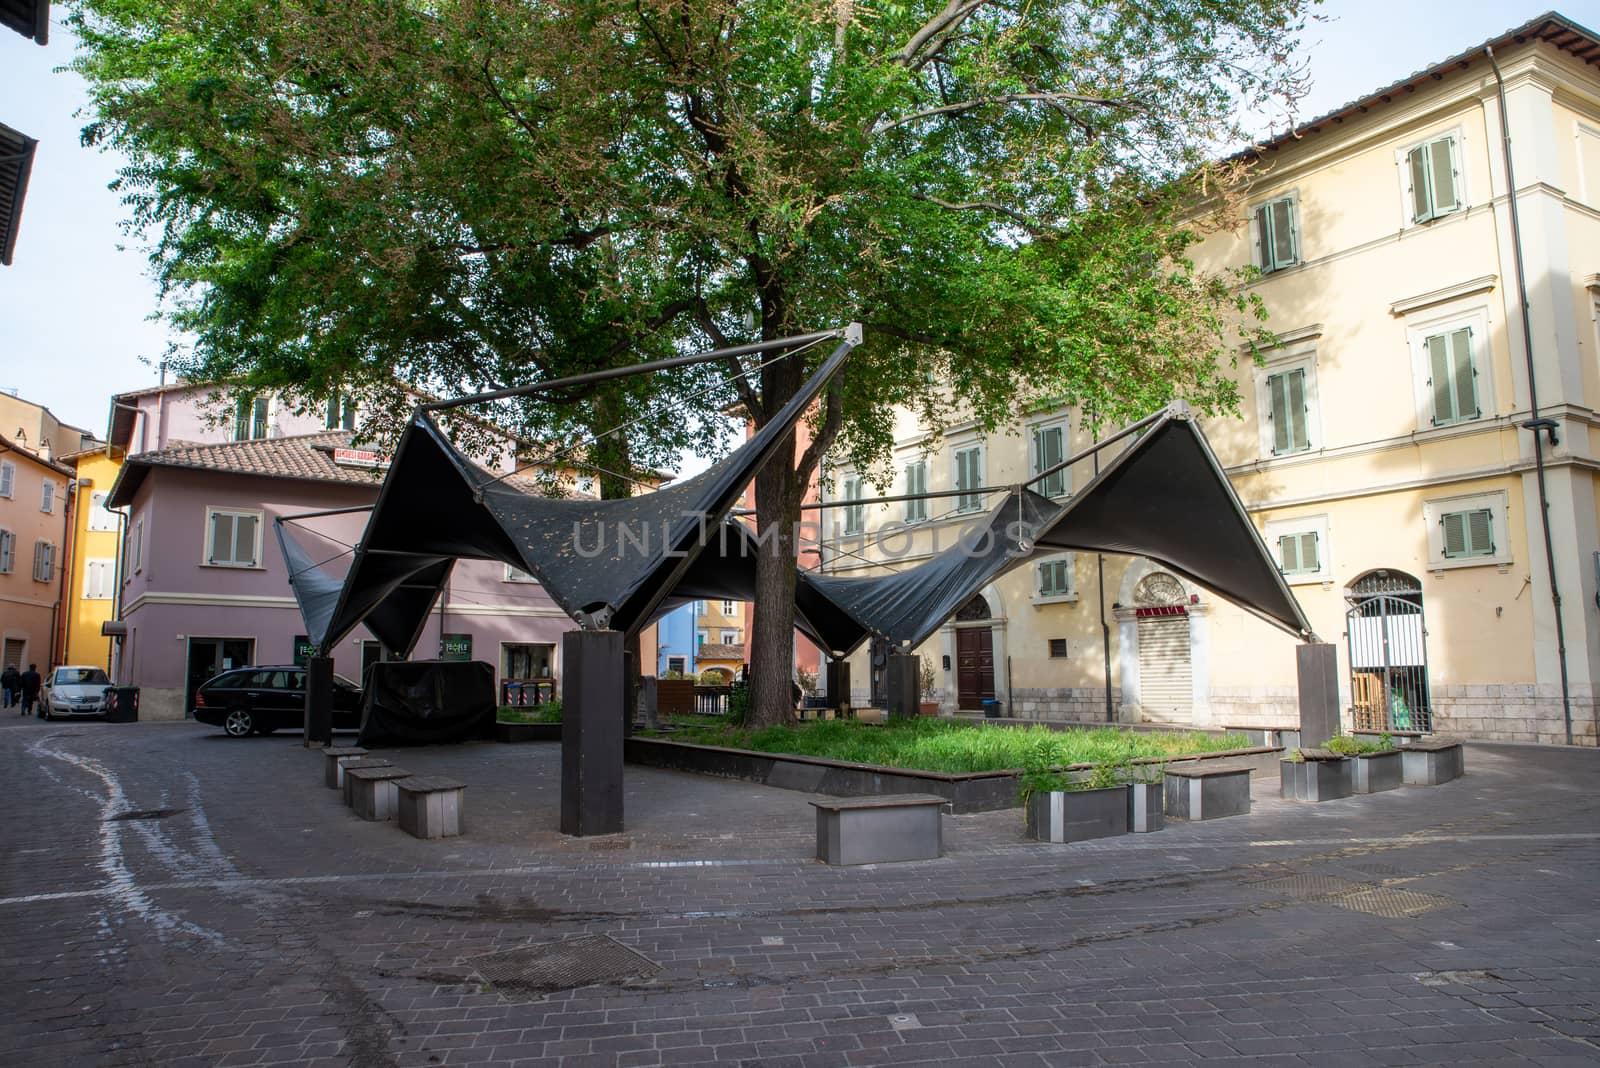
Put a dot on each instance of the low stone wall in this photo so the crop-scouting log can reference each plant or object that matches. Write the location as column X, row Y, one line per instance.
column 161, row 705
column 975, row 792
column 1081, row 704
column 1514, row 712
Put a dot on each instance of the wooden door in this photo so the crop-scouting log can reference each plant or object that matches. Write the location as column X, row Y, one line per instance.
column 974, row 667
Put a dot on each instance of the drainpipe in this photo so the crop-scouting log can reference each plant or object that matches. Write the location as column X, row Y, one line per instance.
column 1534, row 423
column 1105, row 628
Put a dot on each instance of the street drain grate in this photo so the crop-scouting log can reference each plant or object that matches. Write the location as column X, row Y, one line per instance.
column 147, row 814
column 551, row 966
column 1391, row 902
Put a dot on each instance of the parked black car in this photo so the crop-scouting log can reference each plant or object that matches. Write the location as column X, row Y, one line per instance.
column 262, row 698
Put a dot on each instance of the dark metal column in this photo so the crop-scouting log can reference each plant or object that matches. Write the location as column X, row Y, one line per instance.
column 1317, row 664
column 903, row 682
column 836, row 683
column 592, row 700
column 319, row 700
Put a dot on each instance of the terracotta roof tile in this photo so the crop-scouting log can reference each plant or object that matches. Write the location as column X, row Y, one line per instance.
column 304, row 457
column 714, row 651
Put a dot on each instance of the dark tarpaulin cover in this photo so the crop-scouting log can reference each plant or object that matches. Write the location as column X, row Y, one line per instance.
column 1165, row 498
column 426, row 702
column 608, row 563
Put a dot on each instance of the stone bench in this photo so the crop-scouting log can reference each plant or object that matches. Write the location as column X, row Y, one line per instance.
column 1321, row 775
column 370, row 792
column 1288, row 737
column 1431, row 761
column 335, row 758
column 430, row 807
column 1207, row 790
column 879, row 830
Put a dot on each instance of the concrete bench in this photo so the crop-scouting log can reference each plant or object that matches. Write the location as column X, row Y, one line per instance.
column 370, row 792
column 335, row 758
column 879, row 830
column 1321, row 775
column 430, row 807
column 1288, row 737
column 1207, row 790
column 1431, row 761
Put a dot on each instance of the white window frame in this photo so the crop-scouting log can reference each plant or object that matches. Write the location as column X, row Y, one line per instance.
column 101, row 518
column 8, row 479
column 44, row 562
column 1071, row 594
column 47, row 496
column 679, row 664
column 1293, row 356
column 1055, row 422
column 1258, row 247
column 955, row 472
column 726, row 640
column 1302, row 524
column 916, row 511
column 138, row 546
column 1433, row 512
column 270, row 418
column 8, row 552
column 855, row 515
column 1418, row 329
column 729, row 607
column 1458, row 154
column 207, row 556
column 341, row 408
column 516, row 574
column 101, row 588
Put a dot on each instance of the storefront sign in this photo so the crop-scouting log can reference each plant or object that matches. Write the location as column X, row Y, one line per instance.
column 455, row 647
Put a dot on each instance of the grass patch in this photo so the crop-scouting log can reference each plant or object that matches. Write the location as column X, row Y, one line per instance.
column 549, row 712
column 946, row 746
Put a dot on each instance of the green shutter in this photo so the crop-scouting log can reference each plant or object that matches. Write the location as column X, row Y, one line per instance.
column 1466, row 377
column 1047, row 452
column 1308, row 552
column 1276, row 404
column 1289, row 554
column 1300, row 439
column 1480, row 533
column 1439, row 380
column 1455, row 533
column 1441, row 177
column 1264, row 239
column 1287, row 396
column 1417, row 169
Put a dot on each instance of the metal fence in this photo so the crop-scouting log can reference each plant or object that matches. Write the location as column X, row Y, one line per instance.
column 1388, row 647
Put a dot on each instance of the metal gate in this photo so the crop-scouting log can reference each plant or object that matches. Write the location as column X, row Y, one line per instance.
column 1388, row 654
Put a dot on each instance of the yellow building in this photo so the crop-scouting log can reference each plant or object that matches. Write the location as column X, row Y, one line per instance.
column 719, row 637
column 91, row 576
column 1382, row 449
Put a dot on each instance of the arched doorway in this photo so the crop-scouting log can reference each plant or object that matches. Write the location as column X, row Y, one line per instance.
column 1388, row 643
column 1166, row 672
column 974, row 655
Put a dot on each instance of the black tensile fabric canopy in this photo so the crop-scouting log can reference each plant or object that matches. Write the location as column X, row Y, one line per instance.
column 607, row 563
column 1165, row 498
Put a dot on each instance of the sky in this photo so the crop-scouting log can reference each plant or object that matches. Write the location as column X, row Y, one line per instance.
column 75, row 306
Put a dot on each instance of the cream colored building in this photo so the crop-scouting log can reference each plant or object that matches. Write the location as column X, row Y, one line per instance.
column 1380, row 450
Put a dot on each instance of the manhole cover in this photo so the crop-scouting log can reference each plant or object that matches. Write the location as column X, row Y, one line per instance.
column 147, row 814
column 1309, row 887
column 542, row 969
column 1390, row 902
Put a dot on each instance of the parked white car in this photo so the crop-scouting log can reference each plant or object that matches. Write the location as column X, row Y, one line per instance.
column 74, row 691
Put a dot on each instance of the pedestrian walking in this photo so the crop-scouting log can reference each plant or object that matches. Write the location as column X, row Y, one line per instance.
column 30, row 688
column 10, row 686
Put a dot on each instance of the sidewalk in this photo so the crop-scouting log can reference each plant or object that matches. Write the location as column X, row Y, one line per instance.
column 243, row 916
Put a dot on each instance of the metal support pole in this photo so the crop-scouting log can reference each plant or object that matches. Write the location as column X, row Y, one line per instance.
column 1317, row 667
column 319, row 701
column 592, row 699
column 902, row 681
column 836, row 683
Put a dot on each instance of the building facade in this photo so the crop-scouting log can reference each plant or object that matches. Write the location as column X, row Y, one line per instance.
column 34, row 501
column 91, row 574
column 1381, row 449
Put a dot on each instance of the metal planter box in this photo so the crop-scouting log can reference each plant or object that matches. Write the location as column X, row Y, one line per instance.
column 1430, row 762
column 1147, row 806
column 1077, row 815
column 1315, row 780
column 1373, row 773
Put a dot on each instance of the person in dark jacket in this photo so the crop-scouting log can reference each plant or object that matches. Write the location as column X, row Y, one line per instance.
column 30, row 688
column 10, row 686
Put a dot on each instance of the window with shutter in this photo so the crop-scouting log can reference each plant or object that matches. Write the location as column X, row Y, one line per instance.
column 98, row 579
column 341, row 414
column 8, row 478
column 1452, row 377
column 43, row 561
column 233, row 539
column 1049, row 449
column 1298, row 553
column 1055, row 578
column 47, row 496
column 1435, row 184
column 250, row 418
column 1277, row 244
column 855, row 515
column 969, row 476
column 101, row 517
column 1468, row 533
column 1287, row 391
column 8, row 552
column 916, row 482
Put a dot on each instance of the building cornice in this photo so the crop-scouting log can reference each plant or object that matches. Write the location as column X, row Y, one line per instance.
column 1406, row 305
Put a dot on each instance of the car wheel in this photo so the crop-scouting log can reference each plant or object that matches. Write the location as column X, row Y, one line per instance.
column 238, row 723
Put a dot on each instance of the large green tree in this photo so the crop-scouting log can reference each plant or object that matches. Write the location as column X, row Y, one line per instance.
column 465, row 193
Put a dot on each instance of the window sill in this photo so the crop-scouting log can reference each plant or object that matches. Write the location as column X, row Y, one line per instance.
column 1307, row 578
column 1501, row 562
column 1057, row 598
column 235, row 567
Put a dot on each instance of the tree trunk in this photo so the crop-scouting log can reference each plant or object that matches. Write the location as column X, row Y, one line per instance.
column 779, row 489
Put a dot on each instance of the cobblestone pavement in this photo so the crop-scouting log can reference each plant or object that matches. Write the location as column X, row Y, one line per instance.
column 169, row 896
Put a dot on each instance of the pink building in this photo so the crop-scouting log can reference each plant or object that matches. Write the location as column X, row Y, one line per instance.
column 203, row 583
column 33, row 533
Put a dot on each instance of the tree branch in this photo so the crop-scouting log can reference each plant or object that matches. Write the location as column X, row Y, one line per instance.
column 1033, row 228
column 943, row 23
column 822, row 441
column 1008, row 98
column 736, row 371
